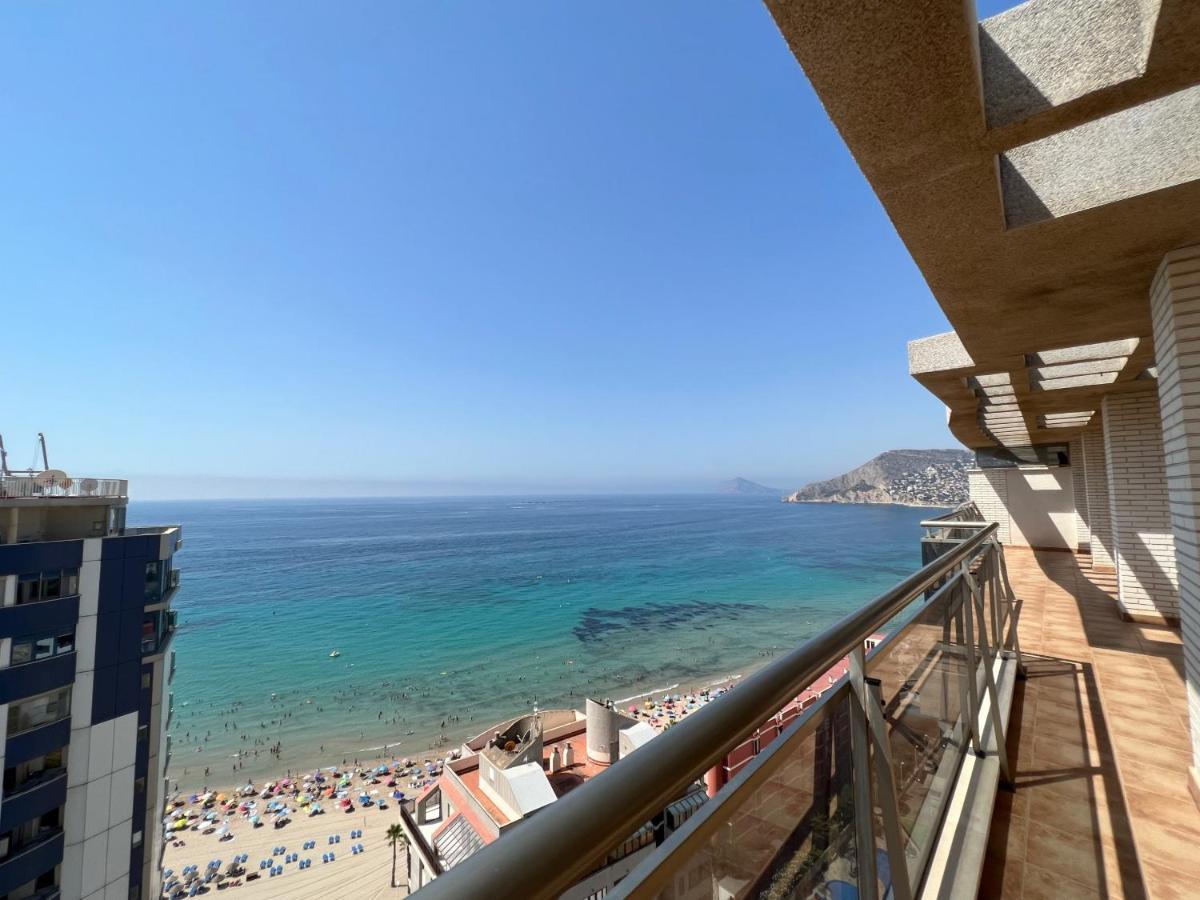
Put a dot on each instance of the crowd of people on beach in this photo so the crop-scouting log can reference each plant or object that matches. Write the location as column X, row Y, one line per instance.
column 223, row 815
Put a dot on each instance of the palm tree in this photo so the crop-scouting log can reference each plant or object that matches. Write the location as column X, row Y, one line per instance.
column 395, row 836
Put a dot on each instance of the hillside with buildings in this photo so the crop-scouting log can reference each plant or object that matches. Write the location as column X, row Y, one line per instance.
column 912, row 477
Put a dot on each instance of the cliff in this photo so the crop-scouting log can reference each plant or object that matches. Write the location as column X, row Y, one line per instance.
column 912, row 477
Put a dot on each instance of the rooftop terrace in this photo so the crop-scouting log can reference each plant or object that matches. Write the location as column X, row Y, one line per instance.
column 48, row 486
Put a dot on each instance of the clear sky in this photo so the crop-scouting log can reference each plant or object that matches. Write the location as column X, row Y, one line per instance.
column 440, row 247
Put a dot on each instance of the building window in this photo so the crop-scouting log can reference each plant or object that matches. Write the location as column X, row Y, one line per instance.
column 139, row 785
column 35, row 712
column 34, row 647
column 145, row 680
column 143, row 733
column 48, row 765
column 37, row 586
column 137, row 839
column 135, row 892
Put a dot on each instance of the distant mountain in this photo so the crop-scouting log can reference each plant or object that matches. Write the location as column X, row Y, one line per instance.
column 912, row 477
column 742, row 486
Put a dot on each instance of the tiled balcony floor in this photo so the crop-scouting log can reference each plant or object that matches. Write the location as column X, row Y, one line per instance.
column 1099, row 734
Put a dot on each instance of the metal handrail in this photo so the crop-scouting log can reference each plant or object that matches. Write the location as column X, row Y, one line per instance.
column 550, row 851
column 958, row 516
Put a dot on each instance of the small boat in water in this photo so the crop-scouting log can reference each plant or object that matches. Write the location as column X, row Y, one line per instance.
column 335, row 654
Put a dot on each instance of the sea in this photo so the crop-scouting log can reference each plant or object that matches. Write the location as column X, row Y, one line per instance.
column 450, row 615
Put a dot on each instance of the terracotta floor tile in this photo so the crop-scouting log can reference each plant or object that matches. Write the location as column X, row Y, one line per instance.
column 1065, row 732
column 1153, row 780
column 1123, row 697
column 1001, row 879
column 1007, row 837
column 1165, row 883
column 1102, row 720
column 1043, row 884
column 1166, row 728
column 1078, row 856
column 1072, row 814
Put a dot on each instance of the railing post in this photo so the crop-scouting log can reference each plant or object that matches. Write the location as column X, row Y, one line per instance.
column 972, row 661
column 864, row 806
column 989, row 562
column 1013, row 638
column 989, row 680
column 889, row 805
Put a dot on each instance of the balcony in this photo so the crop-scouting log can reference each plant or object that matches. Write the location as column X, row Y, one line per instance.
column 1100, row 737
column 875, row 790
column 38, row 795
column 36, row 488
column 157, row 640
column 26, row 863
column 36, row 677
column 37, row 741
column 40, row 616
column 895, row 769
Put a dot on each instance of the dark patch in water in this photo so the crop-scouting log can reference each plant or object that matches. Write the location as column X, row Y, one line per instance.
column 596, row 623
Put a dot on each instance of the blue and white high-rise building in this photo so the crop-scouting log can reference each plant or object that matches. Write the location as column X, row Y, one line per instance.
column 85, row 664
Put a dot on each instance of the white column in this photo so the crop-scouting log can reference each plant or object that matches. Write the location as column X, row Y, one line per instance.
column 1175, row 306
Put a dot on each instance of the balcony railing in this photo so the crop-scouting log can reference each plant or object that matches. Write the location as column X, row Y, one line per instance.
column 851, row 800
column 25, row 863
column 37, row 795
column 32, row 486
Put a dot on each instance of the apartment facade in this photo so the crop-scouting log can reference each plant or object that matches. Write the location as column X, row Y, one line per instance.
column 85, row 666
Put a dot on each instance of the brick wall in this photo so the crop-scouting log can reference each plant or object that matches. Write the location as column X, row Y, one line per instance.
column 1095, row 469
column 1175, row 307
column 1141, row 522
column 989, row 491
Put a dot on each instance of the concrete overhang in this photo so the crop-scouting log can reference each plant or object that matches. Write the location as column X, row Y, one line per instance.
column 1007, row 402
column 1037, row 165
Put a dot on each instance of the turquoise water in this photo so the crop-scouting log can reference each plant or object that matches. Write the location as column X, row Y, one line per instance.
column 479, row 608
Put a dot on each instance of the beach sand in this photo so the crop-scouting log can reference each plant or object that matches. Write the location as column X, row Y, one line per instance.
column 366, row 875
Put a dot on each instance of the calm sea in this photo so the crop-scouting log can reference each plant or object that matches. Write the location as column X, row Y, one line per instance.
column 478, row 608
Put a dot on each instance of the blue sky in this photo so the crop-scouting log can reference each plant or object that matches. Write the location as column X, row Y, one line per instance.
column 441, row 247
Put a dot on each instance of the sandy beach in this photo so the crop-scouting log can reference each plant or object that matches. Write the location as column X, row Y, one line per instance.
column 233, row 833
column 369, row 872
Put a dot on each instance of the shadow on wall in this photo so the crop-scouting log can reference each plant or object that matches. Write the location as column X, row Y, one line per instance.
column 1041, row 508
column 1160, row 586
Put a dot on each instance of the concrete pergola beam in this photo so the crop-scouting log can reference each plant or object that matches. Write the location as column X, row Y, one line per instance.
column 934, row 119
